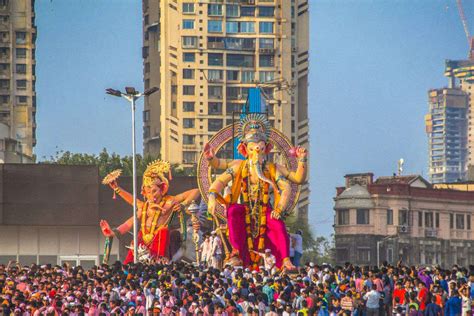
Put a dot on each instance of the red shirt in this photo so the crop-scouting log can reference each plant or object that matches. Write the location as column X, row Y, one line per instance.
column 400, row 293
column 422, row 297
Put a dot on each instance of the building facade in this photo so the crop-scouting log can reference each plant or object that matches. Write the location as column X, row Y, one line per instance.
column 402, row 217
column 17, row 80
column 446, row 126
column 205, row 55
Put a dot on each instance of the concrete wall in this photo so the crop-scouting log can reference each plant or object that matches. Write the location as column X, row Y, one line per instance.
column 51, row 213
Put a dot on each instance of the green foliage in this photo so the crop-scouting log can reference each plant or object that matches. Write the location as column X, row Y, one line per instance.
column 319, row 249
column 108, row 162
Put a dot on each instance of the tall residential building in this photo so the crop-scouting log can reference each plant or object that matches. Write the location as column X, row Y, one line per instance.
column 17, row 80
column 402, row 217
column 446, row 126
column 205, row 55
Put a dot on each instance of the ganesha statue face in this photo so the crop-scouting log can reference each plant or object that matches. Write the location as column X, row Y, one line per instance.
column 155, row 192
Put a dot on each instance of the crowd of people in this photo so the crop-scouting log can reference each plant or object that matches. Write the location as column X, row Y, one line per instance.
column 188, row 289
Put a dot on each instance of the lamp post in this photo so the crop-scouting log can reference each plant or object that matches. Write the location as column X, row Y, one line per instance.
column 132, row 95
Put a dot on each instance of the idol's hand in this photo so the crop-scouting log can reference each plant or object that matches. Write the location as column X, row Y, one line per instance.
column 301, row 152
column 106, row 230
column 276, row 214
column 211, row 204
column 113, row 184
column 209, row 152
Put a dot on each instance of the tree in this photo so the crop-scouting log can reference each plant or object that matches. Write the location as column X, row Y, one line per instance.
column 108, row 162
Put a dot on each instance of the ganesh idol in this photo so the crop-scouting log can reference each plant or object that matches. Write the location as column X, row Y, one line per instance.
column 155, row 213
column 256, row 194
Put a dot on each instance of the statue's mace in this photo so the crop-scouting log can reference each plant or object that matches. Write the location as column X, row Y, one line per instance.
column 193, row 209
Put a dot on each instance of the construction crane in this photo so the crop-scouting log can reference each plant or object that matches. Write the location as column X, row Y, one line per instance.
column 470, row 39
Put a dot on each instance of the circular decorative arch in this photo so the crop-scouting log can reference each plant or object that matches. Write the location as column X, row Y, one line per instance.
column 278, row 140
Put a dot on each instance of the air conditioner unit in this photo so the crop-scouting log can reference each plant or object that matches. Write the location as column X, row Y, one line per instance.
column 403, row 229
column 294, row 49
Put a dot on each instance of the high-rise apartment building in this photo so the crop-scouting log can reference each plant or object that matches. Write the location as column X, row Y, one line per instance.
column 205, row 55
column 446, row 126
column 17, row 80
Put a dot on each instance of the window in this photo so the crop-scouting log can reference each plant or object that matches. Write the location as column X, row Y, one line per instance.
column 232, row 75
column 188, row 24
column 214, row 26
column 267, row 43
column 188, row 139
column 266, row 61
column 363, row 216
column 266, row 27
column 468, row 222
column 214, row 108
column 232, row 10
column 146, row 116
column 188, row 73
column 215, row 75
column 215, row 42
column 389, row 217
column 188, row 8
column 266, row 76
column 247, row 27
column 189, row 156
column 21, row 84
column 4, row 99
column 214, row 92
column 403, row 217
column 21, row 37
column 343, row 217
column 232, row 27
column 214, row 9
column 189, row 41
column 451, row 221
column 189, row 57
column 420, row 219
column 188, row 123
column 20, row 52
column 459, row 221
column 235, row 60
column 22, row 99
column 247, row 11
column 214, row 59
column 266, row 11
column 437, row 220
column 233, row 93
column 188, row 106
column 214, row 125
column 248, row 76
column 188, row 90
column 233, row 107
column 429, row 220
column 363, row 255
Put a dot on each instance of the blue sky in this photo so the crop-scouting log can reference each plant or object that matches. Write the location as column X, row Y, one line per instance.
column 371, row 64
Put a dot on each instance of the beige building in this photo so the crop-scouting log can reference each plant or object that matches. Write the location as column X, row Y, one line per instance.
column 402, row 217
column 205, row 55
column 17, row 80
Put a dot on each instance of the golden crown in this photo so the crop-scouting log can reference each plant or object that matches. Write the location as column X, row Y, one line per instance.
column 156, row 170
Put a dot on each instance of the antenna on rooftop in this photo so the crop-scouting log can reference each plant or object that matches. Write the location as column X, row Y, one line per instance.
column 401, row 161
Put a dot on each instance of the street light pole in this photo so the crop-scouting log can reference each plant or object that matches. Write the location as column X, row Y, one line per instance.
column 132, row 96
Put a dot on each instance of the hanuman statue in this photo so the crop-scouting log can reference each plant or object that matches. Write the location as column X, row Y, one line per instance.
column 254, row 214
column 155, row 213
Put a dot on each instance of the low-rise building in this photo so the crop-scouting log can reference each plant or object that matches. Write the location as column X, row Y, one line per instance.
column 402, row 217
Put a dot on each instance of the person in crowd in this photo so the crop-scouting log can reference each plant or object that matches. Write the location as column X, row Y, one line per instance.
column 175, row 288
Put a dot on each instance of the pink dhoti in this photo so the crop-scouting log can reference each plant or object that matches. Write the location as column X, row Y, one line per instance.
column 276, row 237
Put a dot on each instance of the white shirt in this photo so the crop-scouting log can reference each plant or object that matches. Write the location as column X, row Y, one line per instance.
column 206, row 249
column 298, row 242
column 216, row 246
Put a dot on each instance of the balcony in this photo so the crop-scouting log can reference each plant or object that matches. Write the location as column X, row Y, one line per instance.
column 215, row 45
